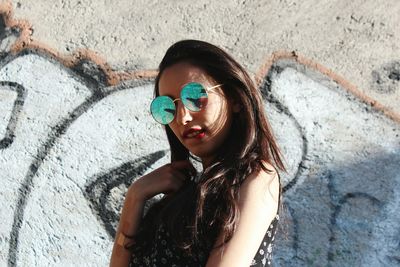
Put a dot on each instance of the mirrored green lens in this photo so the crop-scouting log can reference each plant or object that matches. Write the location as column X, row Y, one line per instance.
column 194, row 96
column 163, row 109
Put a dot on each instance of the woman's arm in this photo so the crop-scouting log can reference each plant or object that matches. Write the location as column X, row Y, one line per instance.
column 167, row 179
column 131, row 217
column 258, row 205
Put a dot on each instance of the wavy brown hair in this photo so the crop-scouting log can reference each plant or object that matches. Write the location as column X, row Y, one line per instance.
column 202, row 209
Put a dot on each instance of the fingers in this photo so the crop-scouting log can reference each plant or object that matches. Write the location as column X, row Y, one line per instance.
column 178, row 174
column 175, row 181
column 184, row 165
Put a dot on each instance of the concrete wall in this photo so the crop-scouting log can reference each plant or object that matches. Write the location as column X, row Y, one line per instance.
column 74, row 134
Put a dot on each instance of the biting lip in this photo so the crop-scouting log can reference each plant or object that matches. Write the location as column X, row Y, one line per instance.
column 192, row 130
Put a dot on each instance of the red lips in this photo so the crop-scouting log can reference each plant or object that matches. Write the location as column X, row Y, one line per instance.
column 191, row 130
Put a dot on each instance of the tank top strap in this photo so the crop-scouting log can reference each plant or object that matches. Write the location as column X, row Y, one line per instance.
column 280, row 194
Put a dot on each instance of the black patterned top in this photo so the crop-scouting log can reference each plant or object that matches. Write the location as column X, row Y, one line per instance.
column 164, row 253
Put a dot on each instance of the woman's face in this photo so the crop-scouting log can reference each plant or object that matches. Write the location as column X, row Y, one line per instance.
column 214, row 121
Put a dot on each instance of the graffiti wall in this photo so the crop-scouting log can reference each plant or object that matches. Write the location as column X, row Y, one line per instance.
column 74, row 135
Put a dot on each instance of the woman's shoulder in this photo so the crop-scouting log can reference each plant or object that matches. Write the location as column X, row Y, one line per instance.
column 265, row 185
column 262, row 185
column 272, row 170
column 263, row 178
column 257, row 210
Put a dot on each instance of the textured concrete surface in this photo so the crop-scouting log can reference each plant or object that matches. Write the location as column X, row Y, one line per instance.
column 342, row 201
column 356, row 39
column 47, row 214
column 71, row 143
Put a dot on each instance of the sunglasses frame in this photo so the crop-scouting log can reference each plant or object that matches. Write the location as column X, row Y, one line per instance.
column 179, row 98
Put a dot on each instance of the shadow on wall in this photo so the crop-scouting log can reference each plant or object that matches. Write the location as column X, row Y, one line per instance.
column 342, row 200
column 344, row 216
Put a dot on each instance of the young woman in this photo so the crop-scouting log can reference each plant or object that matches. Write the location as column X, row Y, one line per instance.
column 227, row 215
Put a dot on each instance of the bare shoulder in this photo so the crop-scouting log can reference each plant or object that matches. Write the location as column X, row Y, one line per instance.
column 263, row 184
column 258, row 205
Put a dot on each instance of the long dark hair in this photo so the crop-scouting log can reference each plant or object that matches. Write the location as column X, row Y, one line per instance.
column 202, row 209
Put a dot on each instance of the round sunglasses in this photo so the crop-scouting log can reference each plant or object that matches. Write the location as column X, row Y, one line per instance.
column 193, row 95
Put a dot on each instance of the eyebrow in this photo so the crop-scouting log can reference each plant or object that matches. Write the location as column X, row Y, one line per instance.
column 171, row 96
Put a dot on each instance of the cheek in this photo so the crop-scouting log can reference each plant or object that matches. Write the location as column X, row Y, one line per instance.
column 208, row 115
column 216, row 111
column 202, row 102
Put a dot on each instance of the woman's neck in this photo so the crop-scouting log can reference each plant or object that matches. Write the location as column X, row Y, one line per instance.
column 207, row 161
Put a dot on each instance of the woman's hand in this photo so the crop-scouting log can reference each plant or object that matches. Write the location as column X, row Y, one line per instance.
column 166, row 179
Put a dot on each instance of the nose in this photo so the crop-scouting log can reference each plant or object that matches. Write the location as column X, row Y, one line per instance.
column 183, row 115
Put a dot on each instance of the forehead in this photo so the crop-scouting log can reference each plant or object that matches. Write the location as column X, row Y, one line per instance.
column 174, row 77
